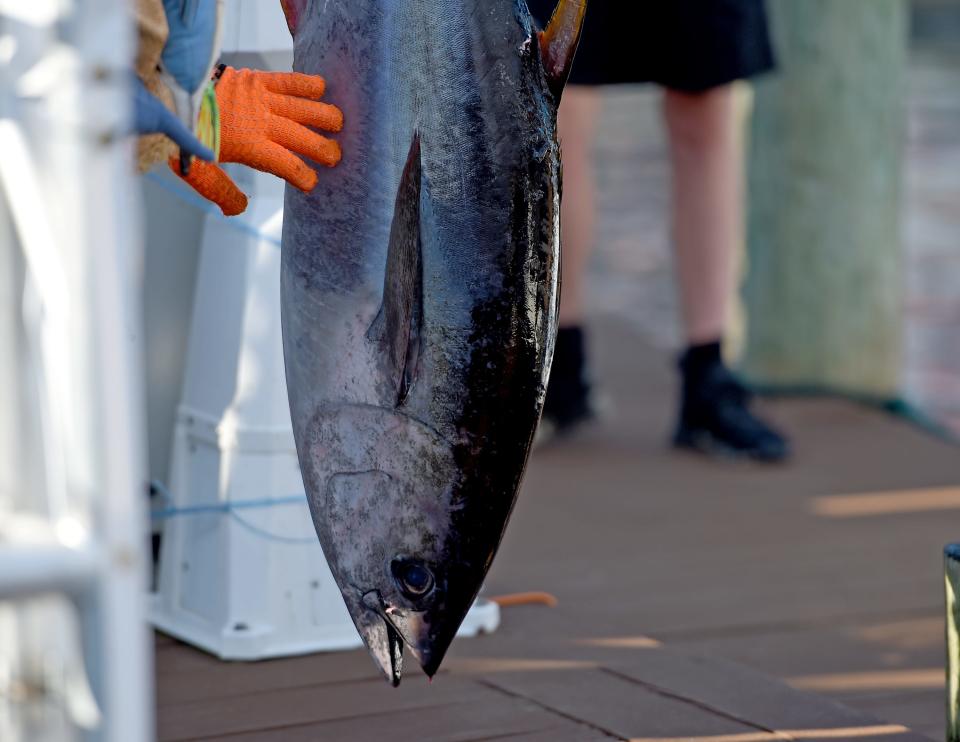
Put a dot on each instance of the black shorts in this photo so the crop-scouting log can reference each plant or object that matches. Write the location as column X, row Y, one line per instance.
column 689, row 45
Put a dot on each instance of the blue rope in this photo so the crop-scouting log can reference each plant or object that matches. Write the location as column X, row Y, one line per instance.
column 228, row 507
column 231, row 508
column 256, row 531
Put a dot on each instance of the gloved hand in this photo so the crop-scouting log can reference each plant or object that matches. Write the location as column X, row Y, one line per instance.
column 263, row 121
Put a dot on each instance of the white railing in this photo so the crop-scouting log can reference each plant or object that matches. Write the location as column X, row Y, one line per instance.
column 74, row 647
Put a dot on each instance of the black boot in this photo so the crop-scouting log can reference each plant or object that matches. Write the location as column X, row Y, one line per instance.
column 714, row 411
column 568, row 393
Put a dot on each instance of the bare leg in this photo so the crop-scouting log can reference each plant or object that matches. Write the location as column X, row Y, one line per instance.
column 706, row 153
column 568, row 401
column 706, row 150
column 577, row 126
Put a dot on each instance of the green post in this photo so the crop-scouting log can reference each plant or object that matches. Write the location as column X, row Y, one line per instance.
column 951, row 562
column 823, row 294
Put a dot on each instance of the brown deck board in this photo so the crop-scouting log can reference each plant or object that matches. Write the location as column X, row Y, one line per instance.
column 273, row 709
column 928, row 709
column 465, row 721
column 733, row 691
column 215, row 680
column 181, row 660
column 615, row 705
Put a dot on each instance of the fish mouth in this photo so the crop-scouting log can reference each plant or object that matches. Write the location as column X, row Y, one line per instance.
column 386, row 634
column 383, row 640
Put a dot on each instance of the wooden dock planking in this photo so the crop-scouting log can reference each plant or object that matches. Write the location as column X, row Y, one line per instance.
column 655, row 694
column 219, row 680
column 641, row 545
column 464, row 721
column 730, row 690
column 306, row 704
column 615, row 706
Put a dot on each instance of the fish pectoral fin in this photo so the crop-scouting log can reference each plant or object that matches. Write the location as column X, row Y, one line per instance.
column 559, row 41
column 397, row 326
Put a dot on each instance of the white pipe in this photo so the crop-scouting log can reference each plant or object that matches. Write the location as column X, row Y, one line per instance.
column 32, row 569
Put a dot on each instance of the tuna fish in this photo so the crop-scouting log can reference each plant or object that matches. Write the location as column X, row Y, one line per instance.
column 420, row 285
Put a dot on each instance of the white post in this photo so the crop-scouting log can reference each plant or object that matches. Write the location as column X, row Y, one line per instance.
column 73, row 520
column 112, row 233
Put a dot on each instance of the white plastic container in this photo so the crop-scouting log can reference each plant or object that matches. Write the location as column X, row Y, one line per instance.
column 242, row 582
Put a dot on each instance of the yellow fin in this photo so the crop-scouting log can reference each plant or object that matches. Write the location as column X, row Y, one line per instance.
column 559, row 40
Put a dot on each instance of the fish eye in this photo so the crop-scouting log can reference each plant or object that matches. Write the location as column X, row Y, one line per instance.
column 414, row 578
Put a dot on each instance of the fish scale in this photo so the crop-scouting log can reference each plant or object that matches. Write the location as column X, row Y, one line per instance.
column 420, row 286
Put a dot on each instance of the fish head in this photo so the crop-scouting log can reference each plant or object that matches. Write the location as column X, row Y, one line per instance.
column 386, row 486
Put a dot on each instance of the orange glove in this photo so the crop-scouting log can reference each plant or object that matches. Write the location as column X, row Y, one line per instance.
column 263, row 120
